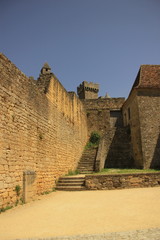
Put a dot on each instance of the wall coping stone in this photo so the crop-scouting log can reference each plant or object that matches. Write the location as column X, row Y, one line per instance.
column 121, row 174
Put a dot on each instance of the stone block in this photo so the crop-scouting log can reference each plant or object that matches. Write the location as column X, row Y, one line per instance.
column 1, row 184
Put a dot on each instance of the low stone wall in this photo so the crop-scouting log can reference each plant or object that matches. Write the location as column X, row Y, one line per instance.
column 119, row 181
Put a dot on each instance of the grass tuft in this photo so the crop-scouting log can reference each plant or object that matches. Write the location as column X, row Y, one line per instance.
column 70, row 173
column 5, row 209
column 125, row 170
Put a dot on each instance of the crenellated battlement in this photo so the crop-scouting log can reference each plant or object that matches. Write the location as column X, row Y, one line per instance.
column 88, row 90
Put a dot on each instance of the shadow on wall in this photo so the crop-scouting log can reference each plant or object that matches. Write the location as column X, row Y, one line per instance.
column 119, row 151
column 156, row 157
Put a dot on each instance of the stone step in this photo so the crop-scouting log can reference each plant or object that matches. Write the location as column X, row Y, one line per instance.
column 89, row 165
column 89, row 151
column 71, row 180
column 88, row 157
column 70, row 188
column 85, row 165
column 87, row 162
column 87, row 169
column 70, row 184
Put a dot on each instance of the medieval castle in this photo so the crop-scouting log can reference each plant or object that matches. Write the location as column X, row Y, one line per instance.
column 44, row 128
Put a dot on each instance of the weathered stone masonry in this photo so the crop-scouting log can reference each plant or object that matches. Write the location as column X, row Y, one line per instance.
column 104, row 115
column 134, row 139
column 40, row 132
column 44, row 128
column 141, row 113
column 121, row 181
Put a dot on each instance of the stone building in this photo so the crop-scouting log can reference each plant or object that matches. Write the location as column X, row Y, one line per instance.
column 44, row 128
column 104, row 115
column 130, row 128
column 88, row 90
column 141, row 114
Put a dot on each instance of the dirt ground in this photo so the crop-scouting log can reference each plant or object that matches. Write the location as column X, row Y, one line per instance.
column 86, row 212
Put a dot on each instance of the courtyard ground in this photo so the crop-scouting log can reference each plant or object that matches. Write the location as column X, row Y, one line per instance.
column 86, row 212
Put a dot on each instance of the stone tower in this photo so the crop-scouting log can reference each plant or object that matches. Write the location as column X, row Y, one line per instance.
column 46, row 69
column 88, row 90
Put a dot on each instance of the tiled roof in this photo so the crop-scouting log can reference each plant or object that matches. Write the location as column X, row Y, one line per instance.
column 148, row 77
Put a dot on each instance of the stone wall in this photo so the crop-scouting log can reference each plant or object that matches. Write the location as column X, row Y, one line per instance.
column 104, row 115
column 149, row 114
column 114, row 150
column 43, row 133
column 120, row 181
column 118, row 147
column 98, row 113
column 132, row 121
column 141, row 115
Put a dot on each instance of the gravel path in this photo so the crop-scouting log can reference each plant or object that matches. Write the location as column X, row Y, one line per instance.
column 117, row 214
column 149, row 234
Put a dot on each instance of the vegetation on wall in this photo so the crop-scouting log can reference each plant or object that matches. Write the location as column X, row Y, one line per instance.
column 17, row 190
column 93, row 140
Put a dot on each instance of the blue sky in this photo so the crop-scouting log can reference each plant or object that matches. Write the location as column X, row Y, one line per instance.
column 103, row 41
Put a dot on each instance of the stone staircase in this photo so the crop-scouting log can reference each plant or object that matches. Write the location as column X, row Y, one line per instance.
column 71, row 183
column 86, row 164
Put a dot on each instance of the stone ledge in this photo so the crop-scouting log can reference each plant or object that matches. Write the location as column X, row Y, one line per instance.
column 123, row 174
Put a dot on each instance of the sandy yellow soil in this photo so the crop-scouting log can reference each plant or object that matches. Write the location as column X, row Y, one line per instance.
column 87, row 212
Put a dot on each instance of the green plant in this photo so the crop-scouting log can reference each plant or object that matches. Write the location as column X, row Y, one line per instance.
column 90, row 145
column 22, row 201
column 17, row 190
column 46, row 192
column 125, row 170
column 53, row 189
column 94, row 138
column 70, row 172
column 16, row 203
column 2, row 210
column 5, row 209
